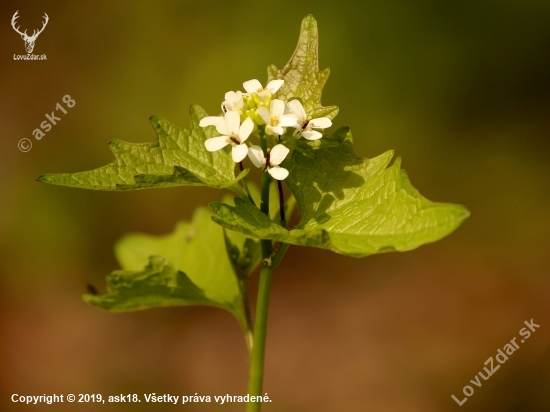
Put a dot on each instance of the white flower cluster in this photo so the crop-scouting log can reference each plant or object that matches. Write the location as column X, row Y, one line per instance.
column 244, row 112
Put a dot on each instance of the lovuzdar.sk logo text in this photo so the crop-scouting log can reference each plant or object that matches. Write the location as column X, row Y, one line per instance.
column 29, row 40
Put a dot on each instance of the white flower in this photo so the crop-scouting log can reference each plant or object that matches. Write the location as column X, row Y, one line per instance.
column 233, row 101
column 254, row 86
column 275, row 119
column 274, row 159
column 233, row 133
column 210, row 121
column 305, row 125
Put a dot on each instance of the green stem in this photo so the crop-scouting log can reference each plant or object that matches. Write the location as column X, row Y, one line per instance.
column 248, row 333
column 245, row 185
column 256, row 374
column 283, row 247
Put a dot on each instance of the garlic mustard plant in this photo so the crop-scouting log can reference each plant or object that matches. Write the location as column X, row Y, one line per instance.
column 254, row 86
column 347, row 204
column 275, row 119
column 233, row 101
column 305, row 125
column 233, row 133
column 271, row 164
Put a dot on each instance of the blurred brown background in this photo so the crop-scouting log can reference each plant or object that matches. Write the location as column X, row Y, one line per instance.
column 460, row 89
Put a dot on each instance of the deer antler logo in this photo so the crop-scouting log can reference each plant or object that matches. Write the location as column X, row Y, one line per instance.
column 29, row 40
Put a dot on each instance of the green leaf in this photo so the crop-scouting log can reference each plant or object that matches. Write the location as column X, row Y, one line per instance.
column 158, row 284
column 177, row 158
column 186, row 267
column 245, row 253
column 246, row 218
column 302, row 77
column 351, row 205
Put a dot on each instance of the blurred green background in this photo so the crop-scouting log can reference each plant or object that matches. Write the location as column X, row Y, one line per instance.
column 460, row 89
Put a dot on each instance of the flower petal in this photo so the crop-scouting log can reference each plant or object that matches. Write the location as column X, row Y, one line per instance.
column 256, row 155
column 263, row 94
column 274, row 130
column 232, row 123
column 264, row 114
column 277, row 108
column 297, row 108
column 239, row 152
column 210, row 121
column 233, row 101
column 230, row 97
column 252, row 86
column 279, row 173
column 245, row 129
column 290, row 120
column 274, row 85
column 220, row 126
column 320, row 123
column 278, row 154
column 311, row 134
column 216, row 143
column 238, row 103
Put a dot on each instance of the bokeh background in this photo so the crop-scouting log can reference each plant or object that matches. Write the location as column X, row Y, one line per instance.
column 460, row 89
